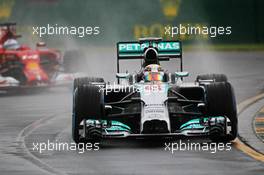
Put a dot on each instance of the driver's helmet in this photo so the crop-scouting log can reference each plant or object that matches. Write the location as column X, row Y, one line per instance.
column 153, row 72
column 11, row 44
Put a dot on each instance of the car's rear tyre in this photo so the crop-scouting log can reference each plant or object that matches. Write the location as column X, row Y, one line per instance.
column 221, row 102
column 214, row 77
column 86, row 80
column 88, row 103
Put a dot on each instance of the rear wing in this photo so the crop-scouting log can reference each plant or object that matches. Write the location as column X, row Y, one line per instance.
column 136, row 49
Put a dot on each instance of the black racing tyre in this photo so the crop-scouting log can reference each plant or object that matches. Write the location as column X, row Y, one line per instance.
column 86, row 80
column 88, row 103
column 215, row 77
column 221, row 102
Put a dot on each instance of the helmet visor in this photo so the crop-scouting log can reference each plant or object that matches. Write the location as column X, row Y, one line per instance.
column 153, row 76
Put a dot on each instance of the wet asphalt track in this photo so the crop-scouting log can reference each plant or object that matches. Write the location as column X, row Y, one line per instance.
column 25, row 119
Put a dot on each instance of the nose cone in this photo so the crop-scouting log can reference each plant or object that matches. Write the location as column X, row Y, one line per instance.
column 155, row 126
column 35, row 73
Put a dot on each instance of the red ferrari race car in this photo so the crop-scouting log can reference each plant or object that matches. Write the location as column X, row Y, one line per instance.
column 24, row 67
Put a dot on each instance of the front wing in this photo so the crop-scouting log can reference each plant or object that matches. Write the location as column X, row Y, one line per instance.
column 199, row 127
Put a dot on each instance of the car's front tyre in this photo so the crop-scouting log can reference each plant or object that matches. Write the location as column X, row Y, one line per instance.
column 88, row 103
column 214, row 77
column 221, row 102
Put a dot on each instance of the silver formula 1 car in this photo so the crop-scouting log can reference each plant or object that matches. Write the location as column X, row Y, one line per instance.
column 153, row 103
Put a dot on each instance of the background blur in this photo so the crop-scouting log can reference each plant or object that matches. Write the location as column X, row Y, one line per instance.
column 130, row 19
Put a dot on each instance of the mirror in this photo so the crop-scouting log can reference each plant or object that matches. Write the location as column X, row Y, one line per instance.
column 122, row 75
column 41, row 44
column 182, row 74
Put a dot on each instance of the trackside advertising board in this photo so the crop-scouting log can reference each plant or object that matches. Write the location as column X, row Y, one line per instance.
column 170, row 49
